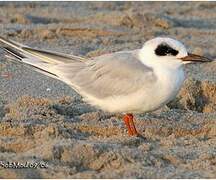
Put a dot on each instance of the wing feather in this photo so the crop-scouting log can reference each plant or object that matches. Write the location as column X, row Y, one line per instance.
column 50, row 57
column 117, row 74
column 40, row 60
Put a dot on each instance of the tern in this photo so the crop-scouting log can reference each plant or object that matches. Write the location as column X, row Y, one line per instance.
column 126, row 82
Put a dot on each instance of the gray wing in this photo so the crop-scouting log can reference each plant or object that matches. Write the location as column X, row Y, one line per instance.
column 116, row 74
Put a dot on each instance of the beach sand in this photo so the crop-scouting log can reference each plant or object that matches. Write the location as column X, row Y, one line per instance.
column 46, row 123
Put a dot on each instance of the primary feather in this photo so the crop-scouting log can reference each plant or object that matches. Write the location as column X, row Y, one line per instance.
column 40, row 60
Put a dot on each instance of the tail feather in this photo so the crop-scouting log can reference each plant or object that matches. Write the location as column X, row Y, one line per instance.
column 41, row 60
column 56, row 56
column 51, row 57
column 45, row 55
column 10, row 43
column 13, row 53
column 35, row 64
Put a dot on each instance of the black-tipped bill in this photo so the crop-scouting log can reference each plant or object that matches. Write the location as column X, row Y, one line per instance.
column 196, row 58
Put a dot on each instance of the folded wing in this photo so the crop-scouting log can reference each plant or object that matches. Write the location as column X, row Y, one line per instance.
column 110, row 75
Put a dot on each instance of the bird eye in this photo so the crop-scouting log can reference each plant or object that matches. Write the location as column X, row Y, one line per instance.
column 164, row 50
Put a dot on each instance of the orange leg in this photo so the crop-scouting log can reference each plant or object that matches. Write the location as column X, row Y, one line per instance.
column 128, row 119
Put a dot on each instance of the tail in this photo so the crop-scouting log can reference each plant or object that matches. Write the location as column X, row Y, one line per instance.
column 40, row 60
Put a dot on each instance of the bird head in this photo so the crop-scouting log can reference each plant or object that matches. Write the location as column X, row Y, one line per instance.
column 170, row 51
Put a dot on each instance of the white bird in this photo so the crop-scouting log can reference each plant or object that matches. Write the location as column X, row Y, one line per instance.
column 136, row 81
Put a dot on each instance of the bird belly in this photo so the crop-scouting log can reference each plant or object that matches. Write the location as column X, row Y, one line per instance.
column 148, row 99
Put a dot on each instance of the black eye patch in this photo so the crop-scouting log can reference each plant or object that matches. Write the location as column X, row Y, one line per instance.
column 164, row 50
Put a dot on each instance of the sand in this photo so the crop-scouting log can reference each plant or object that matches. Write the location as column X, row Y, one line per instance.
column 46, row 123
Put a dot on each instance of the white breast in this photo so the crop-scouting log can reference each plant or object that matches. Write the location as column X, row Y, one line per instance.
column 168, row 84
column 167, row 87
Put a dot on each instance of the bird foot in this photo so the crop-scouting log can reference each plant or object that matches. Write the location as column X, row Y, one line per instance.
column 128, row 120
